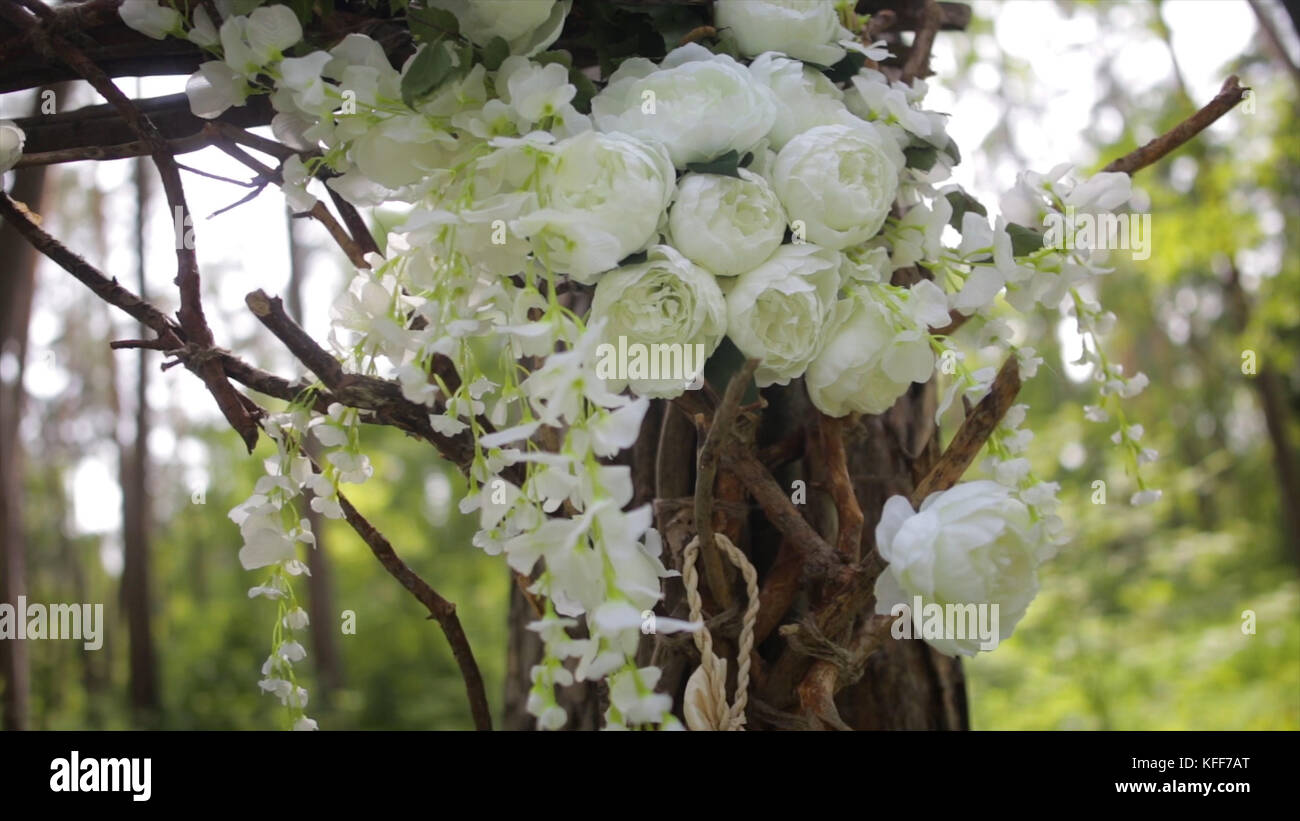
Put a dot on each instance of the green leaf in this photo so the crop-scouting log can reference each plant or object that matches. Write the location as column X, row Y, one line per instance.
column 962, row 202
column 725, row 164
column 495, row 53
column 951, row 150
column 431, row 68
column 921, row 157
column 1024, row 241
column 431, row 25
column 586, row 90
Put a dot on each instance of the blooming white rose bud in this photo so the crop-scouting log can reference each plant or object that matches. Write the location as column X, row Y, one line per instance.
column 777, row 311
column 871, row 354
column 805, row 97
column 671, row 308
column 698, row 104
column 149, row 18
column 840, row 181
column 972, row 544
column 729, row 225
column 602, row 196
column 11, row 144
column 804, row 29
column 529, row 26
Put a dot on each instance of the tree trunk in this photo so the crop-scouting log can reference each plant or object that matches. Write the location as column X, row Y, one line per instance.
column 905, row 685
column 16, row 290
column 136, row 600
column 321, row 611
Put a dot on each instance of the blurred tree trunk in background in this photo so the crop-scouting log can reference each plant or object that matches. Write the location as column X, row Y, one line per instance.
column 16, row 289
column 136, row 510
column 320, row 584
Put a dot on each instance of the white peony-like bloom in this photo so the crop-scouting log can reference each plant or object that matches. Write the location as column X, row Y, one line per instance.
column 839, row 181
column 807, row 30
column 805, row 98
column 664, row 311
column 529, row 26
column 698, row 104
column 972, row 544
column 728, row 225
column 874, row 350
column 601, row 197
column 777, row 311
column 11, row 144
column 149, row 18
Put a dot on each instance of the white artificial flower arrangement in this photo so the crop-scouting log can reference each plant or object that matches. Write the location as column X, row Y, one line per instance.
column 765, row 195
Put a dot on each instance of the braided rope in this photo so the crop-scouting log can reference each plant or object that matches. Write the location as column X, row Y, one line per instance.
column 713, row 670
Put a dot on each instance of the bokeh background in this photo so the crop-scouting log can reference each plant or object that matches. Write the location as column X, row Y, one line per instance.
column 1139, row 621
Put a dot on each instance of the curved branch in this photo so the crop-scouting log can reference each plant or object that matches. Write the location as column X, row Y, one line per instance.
column 440, row 610
column 1229, row 95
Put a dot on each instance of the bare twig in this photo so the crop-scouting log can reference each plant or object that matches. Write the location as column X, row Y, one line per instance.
column 440, row 610
column 1229, row 95
column 972, row 434
column 719, row 431
column 849, row 513
column 918, row 59
column 820, row 557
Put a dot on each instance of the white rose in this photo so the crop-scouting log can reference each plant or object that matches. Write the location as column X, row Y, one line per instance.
column 149, row 18
column 602, row 197
column 698, row 104
column 11, row 144
column 972, row 544
column 805, row 98
column 840, row 180
column 777, row 311
column 728, row 225
column 671, row 307
column 529, row 26
column 871, row 355
column 804, row 29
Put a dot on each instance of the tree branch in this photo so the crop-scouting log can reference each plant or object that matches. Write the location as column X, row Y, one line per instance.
column 721, row 428
column 972, row 434
column 440, row 610
column 233, row 405
column 1229, row 95
column 918, row 59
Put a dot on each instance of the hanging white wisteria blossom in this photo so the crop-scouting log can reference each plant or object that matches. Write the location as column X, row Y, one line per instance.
column 767, row 189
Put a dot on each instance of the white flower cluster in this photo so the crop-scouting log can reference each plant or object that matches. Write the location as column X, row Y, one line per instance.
column 272, row 529
column 703, row 197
